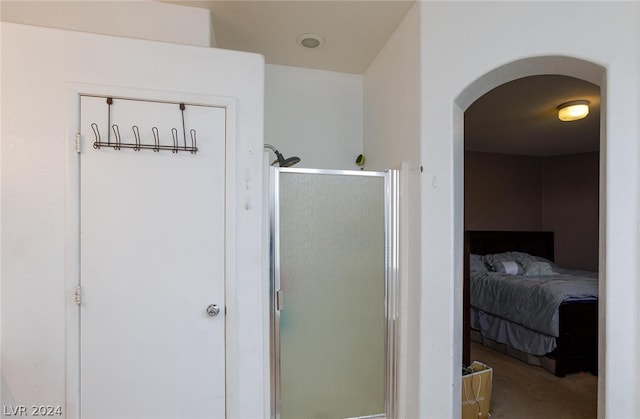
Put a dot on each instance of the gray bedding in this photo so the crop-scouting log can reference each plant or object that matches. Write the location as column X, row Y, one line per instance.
column 529, row 300
column 518, row 337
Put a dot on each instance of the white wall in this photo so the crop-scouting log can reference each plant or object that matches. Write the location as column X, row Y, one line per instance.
column 392, row 140
column 38, row 217
column 460, row 43
column 392, row 99
column 315, row 115
column 140, row 19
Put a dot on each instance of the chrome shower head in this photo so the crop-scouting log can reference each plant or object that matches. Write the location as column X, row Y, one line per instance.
column 281, row 161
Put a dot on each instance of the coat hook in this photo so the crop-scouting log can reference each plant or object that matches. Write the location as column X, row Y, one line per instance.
column 116, row 132
column 174, row 134
column 194, row 144
column 156, row 139
column 136, row 135
column 96, row 133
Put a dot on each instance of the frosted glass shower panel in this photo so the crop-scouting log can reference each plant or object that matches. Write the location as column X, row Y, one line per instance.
column 332, row 280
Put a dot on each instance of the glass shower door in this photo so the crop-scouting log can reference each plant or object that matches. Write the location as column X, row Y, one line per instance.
column 331, row 284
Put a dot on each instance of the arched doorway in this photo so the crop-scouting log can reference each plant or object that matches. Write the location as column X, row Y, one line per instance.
column 553, row 65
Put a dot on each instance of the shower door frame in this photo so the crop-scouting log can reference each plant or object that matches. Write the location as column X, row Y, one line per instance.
column 391, row 239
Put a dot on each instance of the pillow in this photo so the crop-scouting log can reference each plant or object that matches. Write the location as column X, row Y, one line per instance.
column 520, row 257
column 476, row 263
column 538, row 268
column 508, row 267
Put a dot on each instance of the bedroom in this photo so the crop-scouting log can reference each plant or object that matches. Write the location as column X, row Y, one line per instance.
column 427, row 125
column 527, row 171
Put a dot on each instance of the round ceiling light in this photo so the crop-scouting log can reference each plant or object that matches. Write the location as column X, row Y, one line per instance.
column 574, row 110
column 310, row 40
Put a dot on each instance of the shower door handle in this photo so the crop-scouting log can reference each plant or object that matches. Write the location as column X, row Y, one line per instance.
column 279, row 300
column 213, row 310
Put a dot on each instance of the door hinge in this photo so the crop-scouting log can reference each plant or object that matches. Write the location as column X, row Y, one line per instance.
column 78, row 295
column 78, row 138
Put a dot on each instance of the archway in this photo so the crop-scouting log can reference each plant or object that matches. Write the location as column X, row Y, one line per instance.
column 545, row 65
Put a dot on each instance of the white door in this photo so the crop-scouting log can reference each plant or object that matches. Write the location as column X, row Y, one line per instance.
column 152, row 262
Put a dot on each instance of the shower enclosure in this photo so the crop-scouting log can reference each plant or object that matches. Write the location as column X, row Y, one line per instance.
column 334, row 291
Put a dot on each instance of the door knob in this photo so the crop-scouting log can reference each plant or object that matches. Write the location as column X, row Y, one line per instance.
column 213, row 310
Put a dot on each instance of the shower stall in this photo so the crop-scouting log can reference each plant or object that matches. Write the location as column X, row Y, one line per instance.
column 334, row 268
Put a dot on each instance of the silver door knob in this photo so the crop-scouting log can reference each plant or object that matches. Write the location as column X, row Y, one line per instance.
column 213, row 310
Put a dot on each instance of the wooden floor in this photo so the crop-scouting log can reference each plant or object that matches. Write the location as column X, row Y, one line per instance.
column 522, row 391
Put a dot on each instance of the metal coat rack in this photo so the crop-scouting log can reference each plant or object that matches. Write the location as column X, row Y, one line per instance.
column 137, row 143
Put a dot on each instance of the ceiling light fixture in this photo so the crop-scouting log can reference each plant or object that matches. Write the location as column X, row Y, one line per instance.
column 574, row 110
column 310, row 40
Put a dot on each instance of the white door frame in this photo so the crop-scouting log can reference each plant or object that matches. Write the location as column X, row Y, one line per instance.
column 72, row 227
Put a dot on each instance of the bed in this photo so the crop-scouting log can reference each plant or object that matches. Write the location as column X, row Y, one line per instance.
column 525, row 305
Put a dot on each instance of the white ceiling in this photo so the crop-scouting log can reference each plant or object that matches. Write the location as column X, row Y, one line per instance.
column 516, row 118
column 354, row 31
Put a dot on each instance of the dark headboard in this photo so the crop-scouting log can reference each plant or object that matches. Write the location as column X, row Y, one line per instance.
column 538, row 243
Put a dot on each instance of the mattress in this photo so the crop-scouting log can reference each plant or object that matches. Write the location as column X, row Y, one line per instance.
column 515, row 298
